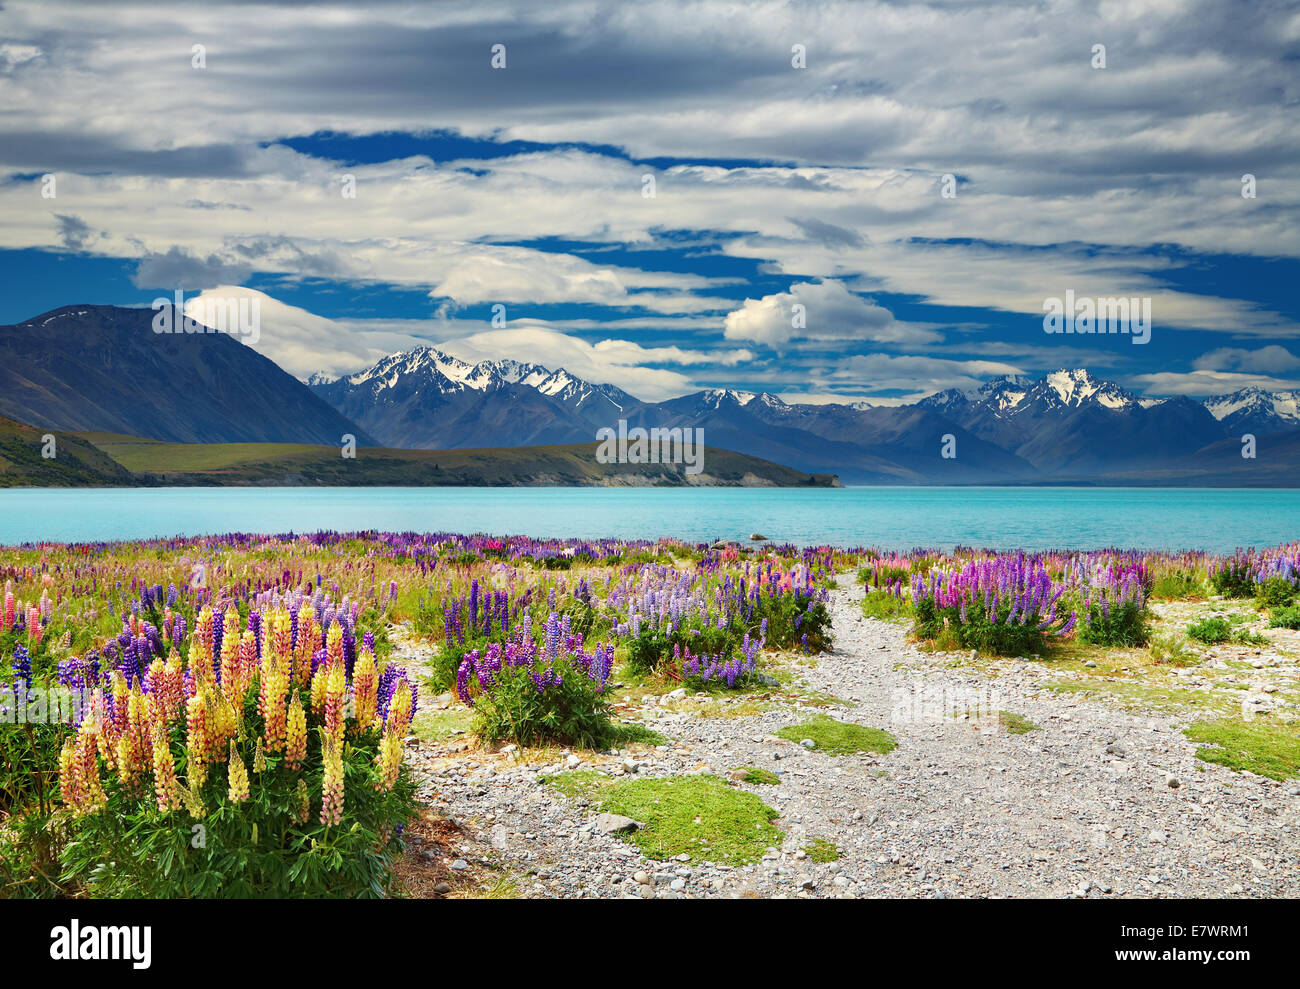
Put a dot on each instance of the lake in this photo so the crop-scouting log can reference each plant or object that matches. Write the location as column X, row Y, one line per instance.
column 1216, row 519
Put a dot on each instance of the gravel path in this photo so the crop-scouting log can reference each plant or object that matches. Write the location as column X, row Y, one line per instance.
column 1096, row 802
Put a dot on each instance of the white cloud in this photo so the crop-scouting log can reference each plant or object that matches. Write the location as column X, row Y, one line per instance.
column 1263, row 360
column 829, row 312
column 303, row 342
column 1203, row 383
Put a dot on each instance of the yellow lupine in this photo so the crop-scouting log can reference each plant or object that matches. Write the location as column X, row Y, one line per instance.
column 365, row 690
column 238, row 775
column 296, row 744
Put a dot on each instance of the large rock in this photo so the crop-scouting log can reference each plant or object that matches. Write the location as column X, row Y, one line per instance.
column 615, row 823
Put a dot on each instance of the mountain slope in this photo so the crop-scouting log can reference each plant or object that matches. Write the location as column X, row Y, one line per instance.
column 425, row 399
column 104, row 368
column 76, row 462
column 1253, row 410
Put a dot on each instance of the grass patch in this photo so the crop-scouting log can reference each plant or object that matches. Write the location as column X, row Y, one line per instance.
column 1217, row 630
column 838, row 738
column 580, row 784
column 758, row 777
column 1266, row 748
column 1137, row 694
column 746, row 708
column 1016, row 724
column 822, row 851
column 625, row 733
column 699, row 816
column 438, row 726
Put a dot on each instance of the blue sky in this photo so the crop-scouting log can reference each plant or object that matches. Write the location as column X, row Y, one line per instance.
column 775, row 186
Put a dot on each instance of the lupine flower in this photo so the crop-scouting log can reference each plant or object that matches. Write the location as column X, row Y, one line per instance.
column 238, row 775
column 302, row 803
column 167, row 789
column 365, row 690
column 336, row 690
column 296, row 745
column 331, row 810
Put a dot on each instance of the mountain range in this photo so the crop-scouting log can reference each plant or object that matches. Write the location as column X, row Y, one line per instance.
column 102, row 368
column 1065, row 426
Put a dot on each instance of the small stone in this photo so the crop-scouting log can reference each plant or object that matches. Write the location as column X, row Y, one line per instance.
column 641, row 878
column 573, row 762
column 808, row 743
column 1172, row 782
column 460, row 865
column 442, row 889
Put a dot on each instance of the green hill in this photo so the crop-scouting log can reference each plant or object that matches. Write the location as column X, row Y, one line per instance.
column 153, row 462
column 76, row 462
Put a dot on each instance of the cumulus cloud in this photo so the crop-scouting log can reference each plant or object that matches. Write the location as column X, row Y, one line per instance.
column 826, row 311
column 1107, row 182
column 303, row 343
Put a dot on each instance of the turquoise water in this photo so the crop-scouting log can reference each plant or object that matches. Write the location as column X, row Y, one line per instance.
column 886, row 517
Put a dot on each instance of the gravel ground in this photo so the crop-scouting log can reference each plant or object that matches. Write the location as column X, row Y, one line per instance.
column 1095, row 803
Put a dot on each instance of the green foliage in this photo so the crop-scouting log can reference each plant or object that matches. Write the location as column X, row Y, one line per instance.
column 1286, row 618
column 254, row 848
column 838, row 738
column 29, row 764
column 444, row 663
column 1211, row 631
column 30, row 845
column 1170, row 650
column 1216, row 630
column 758, row 777
column 1233, row 579
column 1181, row 585
column 977, row 632
column 571, row 712
column 795, row 621
column 882, row 604
column 1265, row 747
column 1275, row 592
column 1125, row 625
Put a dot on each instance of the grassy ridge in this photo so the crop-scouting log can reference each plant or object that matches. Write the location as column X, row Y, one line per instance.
column 156, row 462
column 76, row 462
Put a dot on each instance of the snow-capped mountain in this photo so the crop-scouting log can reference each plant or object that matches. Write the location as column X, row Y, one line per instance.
column 427, row 399
column 1254, row 410
column 1068, row 424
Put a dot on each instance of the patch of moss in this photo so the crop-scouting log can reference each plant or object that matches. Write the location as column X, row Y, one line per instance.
column 580, row 784
column 758, row 777
column 820, row 850
column 1016, row 724
column 838, row 738
column 699, row 816
column 1263, row 746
